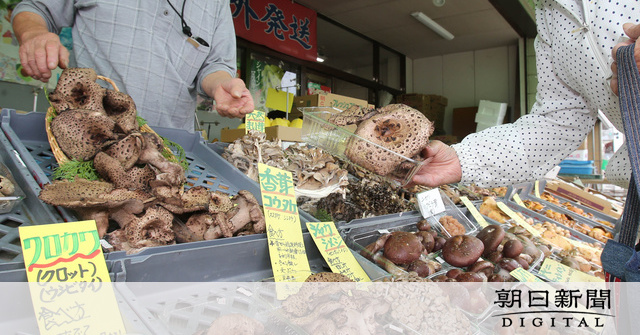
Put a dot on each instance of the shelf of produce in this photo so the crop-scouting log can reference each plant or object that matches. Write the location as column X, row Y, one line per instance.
column 30, row 211
column 240, row 260
column 25, row 133
column 575, row 237
column 597, row 215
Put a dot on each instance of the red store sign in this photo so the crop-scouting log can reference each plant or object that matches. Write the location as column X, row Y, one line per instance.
column 278, row 24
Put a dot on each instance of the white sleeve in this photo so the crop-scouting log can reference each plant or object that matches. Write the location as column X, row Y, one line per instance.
column 528, row 148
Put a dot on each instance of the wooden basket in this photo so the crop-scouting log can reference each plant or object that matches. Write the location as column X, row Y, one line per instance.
column 60, row 156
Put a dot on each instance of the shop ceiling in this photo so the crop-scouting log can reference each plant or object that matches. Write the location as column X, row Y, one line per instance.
column 476, row 24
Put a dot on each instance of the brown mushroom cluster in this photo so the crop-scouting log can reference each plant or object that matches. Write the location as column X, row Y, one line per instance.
column 141, row 190
column 363, row 198
column 399, row 252
column 330, row 308
column 385, row 136
column 315, row 172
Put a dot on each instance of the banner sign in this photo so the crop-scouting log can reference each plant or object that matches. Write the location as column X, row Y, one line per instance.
column 281, row 25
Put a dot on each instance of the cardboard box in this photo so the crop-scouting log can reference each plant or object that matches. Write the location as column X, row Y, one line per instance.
column 432, row 106
column 582, row 196
column 463, row 121
column 283, row 133
column 324, row 100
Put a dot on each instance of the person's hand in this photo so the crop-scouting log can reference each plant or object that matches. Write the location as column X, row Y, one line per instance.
column 633, row 32
column 441, row 166
column 40, row 53
column 233, row 99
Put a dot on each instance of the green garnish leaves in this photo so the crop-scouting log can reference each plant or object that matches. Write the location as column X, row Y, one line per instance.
column 74, row 168
column 179, row 157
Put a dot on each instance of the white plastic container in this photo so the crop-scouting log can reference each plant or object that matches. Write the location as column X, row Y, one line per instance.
column 319, row 132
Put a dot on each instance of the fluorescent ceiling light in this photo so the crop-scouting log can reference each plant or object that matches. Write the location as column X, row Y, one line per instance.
column 427, row 21
column 320, row 59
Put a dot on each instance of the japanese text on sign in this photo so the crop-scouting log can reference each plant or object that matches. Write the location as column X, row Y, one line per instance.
column 335, row 252
column 286, row 246
column 255, row 121
column 278, row 24
column 63, row 252
column 69, row 279
column 556, row 272
column 430, row 203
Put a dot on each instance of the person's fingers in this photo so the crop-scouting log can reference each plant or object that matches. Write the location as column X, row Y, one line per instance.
column 63, row 57
column 25, row 61
column 631, row 30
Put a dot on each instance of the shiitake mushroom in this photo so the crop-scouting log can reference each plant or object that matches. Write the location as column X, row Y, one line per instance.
column 491, row 237
column 462, row 250
column 402, row 248
column 512, row 249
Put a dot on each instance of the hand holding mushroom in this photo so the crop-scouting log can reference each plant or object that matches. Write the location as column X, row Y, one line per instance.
column 441, row 166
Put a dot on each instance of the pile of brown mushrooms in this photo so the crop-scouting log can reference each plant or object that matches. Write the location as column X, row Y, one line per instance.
column 141, row 190
column 399, row 252
column 315, row 172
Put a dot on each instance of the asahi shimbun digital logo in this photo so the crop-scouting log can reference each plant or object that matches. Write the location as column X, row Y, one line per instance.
column 553, row 308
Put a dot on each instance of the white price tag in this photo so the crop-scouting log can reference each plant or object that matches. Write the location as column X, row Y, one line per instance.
column 430, row 203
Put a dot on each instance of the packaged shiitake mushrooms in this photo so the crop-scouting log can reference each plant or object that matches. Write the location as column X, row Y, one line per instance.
column 386, row 141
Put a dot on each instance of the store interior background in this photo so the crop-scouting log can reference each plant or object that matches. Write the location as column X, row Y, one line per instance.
column 375, row 50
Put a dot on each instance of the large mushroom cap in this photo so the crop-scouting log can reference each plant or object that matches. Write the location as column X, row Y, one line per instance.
column 77, row 89
column 82, row 133
column 120, row 107
column 399, row 128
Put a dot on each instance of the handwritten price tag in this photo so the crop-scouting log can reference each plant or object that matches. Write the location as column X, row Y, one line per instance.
column 430, row 203
column 58, row 254
column 525, row 276
column 474, row 212
column 518, row 201
column 335, row 251
column 286, row 245
column 557, row 272
column 518, row 219
column 254, row 121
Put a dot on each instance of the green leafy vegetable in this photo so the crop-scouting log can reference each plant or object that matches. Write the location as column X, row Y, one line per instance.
column 74, row 168
column 179, row 157
column 323, row 215
column 141, row 121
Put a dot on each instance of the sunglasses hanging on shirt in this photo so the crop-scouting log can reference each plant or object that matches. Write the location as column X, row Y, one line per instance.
column 186, row 29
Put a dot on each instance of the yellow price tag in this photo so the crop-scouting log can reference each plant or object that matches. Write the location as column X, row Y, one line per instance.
column 286, row 245
column 556, row 272
column 536, row 189
column 519, row 220
column 580, row 244
column 335, row 251
column 525, row 276
column 474, row 212
column 254, row 121
column 518, row 201
column 56, row 255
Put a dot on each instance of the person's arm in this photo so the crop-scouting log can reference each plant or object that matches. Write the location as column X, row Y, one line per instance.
column 521, row 151
column 232, row 97
column 40, row 50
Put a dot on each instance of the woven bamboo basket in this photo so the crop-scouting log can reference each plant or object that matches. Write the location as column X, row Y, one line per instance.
column 60, row 156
